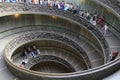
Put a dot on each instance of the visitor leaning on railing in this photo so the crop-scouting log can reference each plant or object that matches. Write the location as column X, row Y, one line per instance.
column 61, row 5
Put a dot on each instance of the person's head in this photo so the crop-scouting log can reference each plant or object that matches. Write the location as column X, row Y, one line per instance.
column 34, row 47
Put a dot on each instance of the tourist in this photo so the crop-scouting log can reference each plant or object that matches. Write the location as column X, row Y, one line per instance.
column 33, row 54
column 88, row 15
column 56, row 3
column 62, row 4
column 76, row 10
column 34, row 49
column 22, row 65
column 95, row 17
column 30, row 52
column 114, row 55
column 101, row 21
column 38, row 51
column 67, row 6
column 71, row 7
column 94, row 22
column 105, row 29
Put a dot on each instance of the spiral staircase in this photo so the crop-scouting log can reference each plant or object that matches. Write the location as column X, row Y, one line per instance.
column 61, row 46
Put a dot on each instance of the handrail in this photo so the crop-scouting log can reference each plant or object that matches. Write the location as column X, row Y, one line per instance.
column 77, row 19
column 108, row 4
column 52, row 9
column 99, row 69
column 42, row 58
column 66, row 29
column 36, row 35
column 52, row 29
column 70, row 52
column 104, row 69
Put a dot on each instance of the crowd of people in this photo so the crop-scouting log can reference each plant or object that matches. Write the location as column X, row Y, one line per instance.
column 75, row 9
column 29, row 52
column 67, row 6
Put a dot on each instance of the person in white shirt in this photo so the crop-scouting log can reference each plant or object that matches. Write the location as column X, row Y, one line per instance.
column 105, row 29
column 94, row 22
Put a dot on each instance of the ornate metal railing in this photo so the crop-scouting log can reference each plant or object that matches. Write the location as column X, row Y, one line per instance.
column 31, row 36
column 67, row 14
column 114, row 4
column 95, row 73
column 42, row 58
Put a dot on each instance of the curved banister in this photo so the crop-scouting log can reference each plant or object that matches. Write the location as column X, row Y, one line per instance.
column 114, row 8
column 77, row 19
column 36, row 35
column 65, row 29
column 99, row 69
column 62, row 31
column 42, row 58
column 104, row 69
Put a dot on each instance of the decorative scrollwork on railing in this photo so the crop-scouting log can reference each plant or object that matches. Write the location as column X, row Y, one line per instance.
column 42, row 58
column 94, row 73
column 17, row 7
column 31, row 36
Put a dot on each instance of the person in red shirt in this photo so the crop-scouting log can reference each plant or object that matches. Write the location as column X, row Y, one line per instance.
column 114, row 55
column 101, row 21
